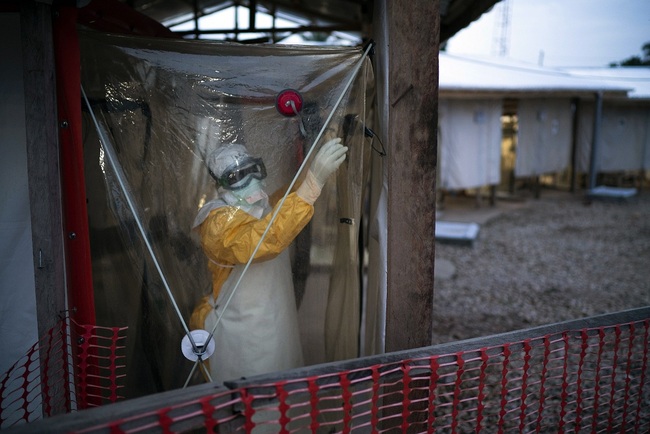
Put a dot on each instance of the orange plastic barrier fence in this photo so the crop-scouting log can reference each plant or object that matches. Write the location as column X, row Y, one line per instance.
column 567, row 377
column 72, row 367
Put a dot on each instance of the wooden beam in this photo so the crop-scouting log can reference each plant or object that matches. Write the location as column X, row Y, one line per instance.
column 41, row 136
column 412, row 159
column 462, row 14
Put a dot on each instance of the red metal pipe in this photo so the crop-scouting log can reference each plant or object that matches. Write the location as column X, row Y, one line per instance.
column 81, row 300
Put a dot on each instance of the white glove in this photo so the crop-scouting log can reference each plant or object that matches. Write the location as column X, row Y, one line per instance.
column 326, row 162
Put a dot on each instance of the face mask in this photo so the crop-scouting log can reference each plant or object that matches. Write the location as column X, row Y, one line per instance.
column 252, row 193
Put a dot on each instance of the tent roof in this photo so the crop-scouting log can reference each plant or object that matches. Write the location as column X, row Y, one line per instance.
column 471, row 75
column 635, row 77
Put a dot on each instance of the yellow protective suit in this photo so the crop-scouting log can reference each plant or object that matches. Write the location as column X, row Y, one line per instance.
column 258, row 331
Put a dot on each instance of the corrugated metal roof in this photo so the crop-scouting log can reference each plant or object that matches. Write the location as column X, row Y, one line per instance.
column 496, row 74
column 342, row 15
column 635, row 77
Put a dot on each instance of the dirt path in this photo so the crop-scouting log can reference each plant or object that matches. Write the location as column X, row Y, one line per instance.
column 544, row 261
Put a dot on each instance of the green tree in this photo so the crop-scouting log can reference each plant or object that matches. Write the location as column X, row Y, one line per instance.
column 643, row 60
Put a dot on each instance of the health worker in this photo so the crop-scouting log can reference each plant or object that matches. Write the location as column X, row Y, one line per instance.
column 258, row 331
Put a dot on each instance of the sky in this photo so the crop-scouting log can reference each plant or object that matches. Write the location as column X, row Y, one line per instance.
column 554, row 33
column 560, row 33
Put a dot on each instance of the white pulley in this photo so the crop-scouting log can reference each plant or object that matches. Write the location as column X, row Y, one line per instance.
column 202, row 350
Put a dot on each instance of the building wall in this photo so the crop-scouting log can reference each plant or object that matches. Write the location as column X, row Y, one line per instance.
column 18, row 326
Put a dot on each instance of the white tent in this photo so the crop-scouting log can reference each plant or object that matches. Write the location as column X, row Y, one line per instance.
column 471, row 94
column 544, row 142
column 624, row 143
column 469, row 133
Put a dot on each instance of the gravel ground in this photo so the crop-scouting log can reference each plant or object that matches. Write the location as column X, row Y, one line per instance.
column 542, row 261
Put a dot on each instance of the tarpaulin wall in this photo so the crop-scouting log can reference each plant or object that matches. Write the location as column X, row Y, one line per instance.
column 624, row 137
column 544, row 136
column 470, row 141
column 164, row 105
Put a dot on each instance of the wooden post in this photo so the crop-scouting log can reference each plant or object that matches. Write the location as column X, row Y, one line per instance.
column 44, row 186
column 412, row 99
column 43, row 162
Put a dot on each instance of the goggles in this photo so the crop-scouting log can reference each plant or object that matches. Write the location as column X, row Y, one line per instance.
column 239, row 175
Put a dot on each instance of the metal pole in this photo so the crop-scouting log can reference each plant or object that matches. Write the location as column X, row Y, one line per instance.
column 575, row 113
column 593, row 162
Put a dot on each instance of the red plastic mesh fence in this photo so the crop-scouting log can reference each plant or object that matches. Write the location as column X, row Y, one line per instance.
column 590, row 380
column 72, row 367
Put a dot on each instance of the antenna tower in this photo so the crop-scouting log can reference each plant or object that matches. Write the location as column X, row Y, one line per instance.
column 502, row 30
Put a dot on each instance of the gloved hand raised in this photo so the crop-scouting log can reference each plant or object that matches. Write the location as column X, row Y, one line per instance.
column 327, row 160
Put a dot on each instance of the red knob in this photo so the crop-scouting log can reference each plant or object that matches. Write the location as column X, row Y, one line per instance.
column 289, row 102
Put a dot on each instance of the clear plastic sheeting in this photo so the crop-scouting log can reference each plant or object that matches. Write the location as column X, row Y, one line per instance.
column 164, row 106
